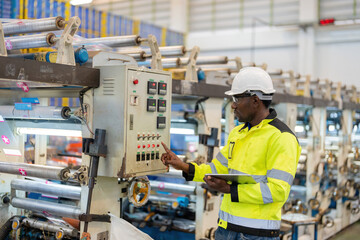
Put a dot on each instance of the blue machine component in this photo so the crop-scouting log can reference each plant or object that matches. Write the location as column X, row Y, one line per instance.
column 201, row 75
column 314, row 212
column 23, row 106
column 30, row 100
column 81, row 55
column 183, row 201
column 332, row 204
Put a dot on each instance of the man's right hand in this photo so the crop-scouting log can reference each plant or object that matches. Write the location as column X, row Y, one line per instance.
column 170, row 158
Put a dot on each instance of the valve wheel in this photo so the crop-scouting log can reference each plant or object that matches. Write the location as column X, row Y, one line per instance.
column 139, row 191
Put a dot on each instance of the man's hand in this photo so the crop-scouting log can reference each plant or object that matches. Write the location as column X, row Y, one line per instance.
column 170, row 158
column 217, row 184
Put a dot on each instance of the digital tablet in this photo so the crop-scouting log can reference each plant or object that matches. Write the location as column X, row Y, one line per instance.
column 239, row 178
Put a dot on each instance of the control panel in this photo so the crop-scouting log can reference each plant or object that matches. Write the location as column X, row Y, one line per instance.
column 136, row 103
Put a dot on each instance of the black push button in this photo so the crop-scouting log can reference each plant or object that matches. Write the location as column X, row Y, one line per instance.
column 152, row 156
column 138, row 157
column 157, row 156
column 148, row 156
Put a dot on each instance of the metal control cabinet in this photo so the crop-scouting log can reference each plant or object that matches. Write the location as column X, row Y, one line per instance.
column 134, row 106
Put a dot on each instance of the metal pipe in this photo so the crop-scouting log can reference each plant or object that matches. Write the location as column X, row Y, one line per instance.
column 47, row 172
column 172, row 187
column 59, row 190
column 38, row 25
column 50, row 227
column 117, row 41
column 207, row 60
column 37, row 112
column 46, row 208
column 30, row 41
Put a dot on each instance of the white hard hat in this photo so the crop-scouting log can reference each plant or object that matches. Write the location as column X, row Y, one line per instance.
column 252, row 79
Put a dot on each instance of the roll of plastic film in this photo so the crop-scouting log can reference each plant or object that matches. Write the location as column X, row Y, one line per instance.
column 37, row 112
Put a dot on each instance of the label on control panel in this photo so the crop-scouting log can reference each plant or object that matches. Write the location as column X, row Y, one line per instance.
column 162, row 88
column 151, row 87
column 151, row 105
column 161, row 105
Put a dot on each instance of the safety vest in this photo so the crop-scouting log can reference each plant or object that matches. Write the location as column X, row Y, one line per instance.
column 270, row 153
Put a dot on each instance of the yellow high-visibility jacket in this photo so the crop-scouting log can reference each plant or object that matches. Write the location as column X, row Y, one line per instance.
column 270, row 153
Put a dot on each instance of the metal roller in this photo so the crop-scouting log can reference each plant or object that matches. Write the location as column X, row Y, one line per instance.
column 47, row 208
column 37, row 112
column 207, row 60
column 172, row 187
column 166, row 63
column 47, row 172
column 166, row 199
column 30, row 26
column 59, row 190
column 136, row 53
column 30, row 41
column 118, row 41
column 140, row 56
column 170, row 51
column 275, row 72
column 50, row 227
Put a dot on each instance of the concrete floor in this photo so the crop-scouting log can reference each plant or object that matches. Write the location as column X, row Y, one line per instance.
column 350, row 233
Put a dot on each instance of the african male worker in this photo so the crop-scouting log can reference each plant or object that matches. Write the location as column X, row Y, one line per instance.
column 263, row 147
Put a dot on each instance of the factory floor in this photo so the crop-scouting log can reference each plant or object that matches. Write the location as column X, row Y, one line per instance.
column 350, row 233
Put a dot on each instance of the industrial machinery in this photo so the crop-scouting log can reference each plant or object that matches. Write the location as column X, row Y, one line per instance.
column 123, row 116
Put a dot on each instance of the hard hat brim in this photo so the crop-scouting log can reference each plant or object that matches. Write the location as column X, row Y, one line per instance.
column 231, row 93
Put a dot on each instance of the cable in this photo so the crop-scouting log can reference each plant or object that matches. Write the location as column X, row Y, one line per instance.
column 202, row 108
column 199, row 102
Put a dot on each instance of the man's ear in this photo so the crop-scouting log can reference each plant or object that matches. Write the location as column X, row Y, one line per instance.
column 256, row 101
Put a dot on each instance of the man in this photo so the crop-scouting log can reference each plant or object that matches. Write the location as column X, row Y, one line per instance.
column 263, row 147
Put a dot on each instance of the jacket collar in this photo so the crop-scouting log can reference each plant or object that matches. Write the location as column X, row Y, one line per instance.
column 271, row 116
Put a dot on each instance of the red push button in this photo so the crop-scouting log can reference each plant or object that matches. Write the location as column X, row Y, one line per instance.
column 153, row 145
column 139, row 146
column 158, row 145
column 144, row 146
column 136, row 81
column 148, row 145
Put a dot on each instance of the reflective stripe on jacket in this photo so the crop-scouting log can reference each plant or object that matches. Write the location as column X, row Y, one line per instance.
column 270, row 153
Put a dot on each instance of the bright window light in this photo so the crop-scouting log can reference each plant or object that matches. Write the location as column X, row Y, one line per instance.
column 184, row 131
column 80, row 2
column 299, row 128
column 50, row 132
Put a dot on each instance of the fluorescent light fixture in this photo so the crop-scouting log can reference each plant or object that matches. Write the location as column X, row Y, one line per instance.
column 80, row 2
column 184, row 131
column 50, row 132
